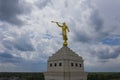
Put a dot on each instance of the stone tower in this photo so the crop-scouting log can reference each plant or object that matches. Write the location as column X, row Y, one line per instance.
column 65, row 64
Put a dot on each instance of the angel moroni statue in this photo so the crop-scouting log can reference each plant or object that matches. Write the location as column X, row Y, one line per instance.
column 64, row 31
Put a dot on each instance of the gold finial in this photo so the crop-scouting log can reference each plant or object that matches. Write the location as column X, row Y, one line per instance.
column 64, row 31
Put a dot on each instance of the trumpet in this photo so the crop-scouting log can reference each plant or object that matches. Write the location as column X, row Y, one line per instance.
column 54, row 22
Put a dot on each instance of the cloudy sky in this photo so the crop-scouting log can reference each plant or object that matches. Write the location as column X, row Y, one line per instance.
column 28, row 38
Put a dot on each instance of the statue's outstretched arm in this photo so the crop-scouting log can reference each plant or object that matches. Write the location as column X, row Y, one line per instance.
column 58, row 24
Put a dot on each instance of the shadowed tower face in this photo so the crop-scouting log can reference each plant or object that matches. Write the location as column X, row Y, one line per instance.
column 64, row 32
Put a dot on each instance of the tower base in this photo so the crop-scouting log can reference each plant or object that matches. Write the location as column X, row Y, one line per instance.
column 65, row 76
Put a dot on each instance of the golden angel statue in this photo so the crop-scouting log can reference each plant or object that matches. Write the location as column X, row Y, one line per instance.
column 64, row 31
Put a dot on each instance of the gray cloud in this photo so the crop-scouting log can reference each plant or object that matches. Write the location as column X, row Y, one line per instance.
column 42, row 3
column 112, row 40
column 79, row 36
column 7, row 57
column 107, row 53
column 10, row 9
column 21, row 43
column 34, row 66
column 96, row 21
column 97, row 33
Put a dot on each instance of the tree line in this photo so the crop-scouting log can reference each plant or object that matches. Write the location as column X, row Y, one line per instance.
column 40, row 76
